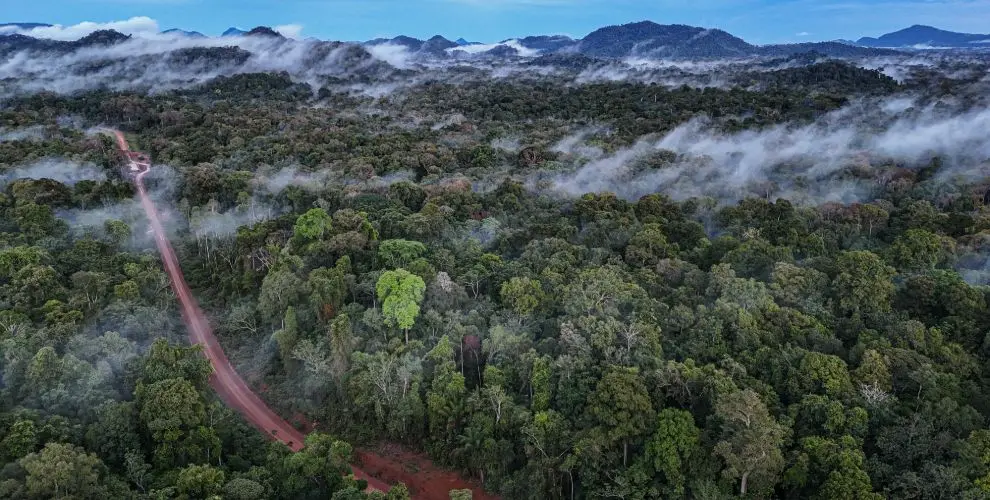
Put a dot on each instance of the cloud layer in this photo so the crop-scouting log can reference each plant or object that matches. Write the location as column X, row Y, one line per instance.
column 810, row 163
column 136, row 26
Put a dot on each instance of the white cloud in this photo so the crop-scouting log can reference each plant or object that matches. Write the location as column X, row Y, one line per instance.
column 477, row 49
column 804, row 163
column 293, row 31
column 139, row 26
column 394, row 54
column 803, row 33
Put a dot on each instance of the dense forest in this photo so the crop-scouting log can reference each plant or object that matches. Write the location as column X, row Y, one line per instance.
column 387, row 270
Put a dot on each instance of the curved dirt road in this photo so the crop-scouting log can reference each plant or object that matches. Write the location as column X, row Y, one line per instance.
column 225, row 380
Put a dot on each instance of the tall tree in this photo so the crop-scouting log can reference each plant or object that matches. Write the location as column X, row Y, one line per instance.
column 401, row 292
column 621, row 407
column 751, row 441
column 863, row 283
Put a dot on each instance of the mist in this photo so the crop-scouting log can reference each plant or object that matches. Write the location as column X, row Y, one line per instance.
column 162, row 62
column 64, row 171
column 814, row 163
column 34, row 133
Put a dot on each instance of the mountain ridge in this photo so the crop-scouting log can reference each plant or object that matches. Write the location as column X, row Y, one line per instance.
column 642, row 39
column 923, row 35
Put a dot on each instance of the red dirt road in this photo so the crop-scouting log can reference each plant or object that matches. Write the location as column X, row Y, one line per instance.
column 225, row 380
column 424, row 480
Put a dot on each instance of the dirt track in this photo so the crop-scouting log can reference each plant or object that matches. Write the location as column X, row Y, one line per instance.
column 427, row 483
column 225, row 380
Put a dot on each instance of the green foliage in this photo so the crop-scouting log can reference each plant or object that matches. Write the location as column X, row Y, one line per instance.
column 863, row 283
column 401, row 293
column 287, row 337
column 311, row 228
column 916, row 250
column 751, row 441
column 671, row 447
column 199, row 481
column 523, row 295
column 591, row 346
column 621, row 406
column 63, row 471
column 399, row 253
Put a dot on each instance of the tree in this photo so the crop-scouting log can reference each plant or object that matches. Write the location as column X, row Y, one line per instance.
column 172, row 410
column 548, row 441
column 401, row 292
column 244, row 489
column 341, row 346
column 165, row 361
column 312, row 226
column 38, row 221
column 751, row 440
column 329, row 288
column 115, row 432
column 137, row 470
column 14, row 258
column 318, row 471
column 540, row 383
column 828, row 468
column 523, row 295
column 916, row 250
column 199, row 481
column 825, row 373
column 409, row 194
column 21, row 439
column 63, row 471
column 445, row 397
column 599, row 291
column 672, row 445
column 648, row 246
column 279, row 290
column 287, row 337
column 44, row 371
column 621, row 406
column 399, row 253
column 801, row 288
column 863, row 283
column 398, row 492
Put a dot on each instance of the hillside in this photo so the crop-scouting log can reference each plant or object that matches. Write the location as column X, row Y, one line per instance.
column 919, row 35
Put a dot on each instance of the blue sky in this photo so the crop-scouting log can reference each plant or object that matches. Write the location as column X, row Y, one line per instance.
column 757, row 21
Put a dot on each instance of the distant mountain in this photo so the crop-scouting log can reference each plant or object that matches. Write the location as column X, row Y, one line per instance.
column 14, row 43
column 102, row 37
column 24, row 26
column 644, row 39
column 264, row 31
column 552, row 43
column 437, row 44
column 919, row 35
column 649, row 39
column 434, row 47
column 190, row 34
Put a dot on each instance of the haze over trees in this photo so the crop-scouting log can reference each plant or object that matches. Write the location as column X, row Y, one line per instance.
column 405, row 270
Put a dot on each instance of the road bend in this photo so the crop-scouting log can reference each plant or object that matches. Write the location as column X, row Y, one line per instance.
column 225, row 380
